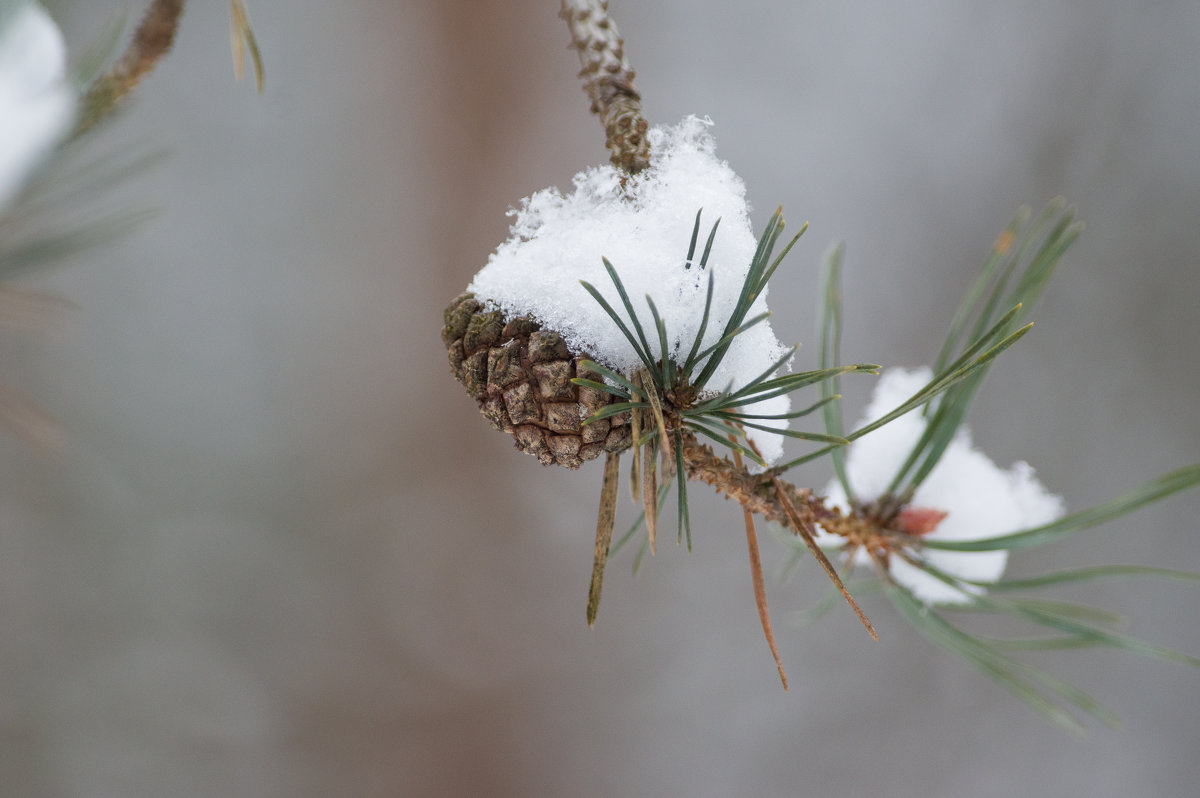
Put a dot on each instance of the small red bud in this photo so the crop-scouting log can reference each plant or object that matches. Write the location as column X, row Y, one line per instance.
column 918, row 520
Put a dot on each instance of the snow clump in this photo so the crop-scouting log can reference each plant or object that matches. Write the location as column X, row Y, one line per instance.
column 643, row 229
column 981, row 499
column 37, row 104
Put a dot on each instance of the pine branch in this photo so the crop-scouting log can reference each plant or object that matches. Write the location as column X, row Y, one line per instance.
column 608, row 81
column 151, row 41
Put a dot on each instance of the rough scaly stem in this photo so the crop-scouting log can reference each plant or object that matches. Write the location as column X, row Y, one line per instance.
column 608, row 81
column 772, row 498
column 755, row 492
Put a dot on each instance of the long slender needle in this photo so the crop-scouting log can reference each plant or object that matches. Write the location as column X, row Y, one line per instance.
column 802, row 529
column 760, row 589
column 604, row 530
column 650, row 493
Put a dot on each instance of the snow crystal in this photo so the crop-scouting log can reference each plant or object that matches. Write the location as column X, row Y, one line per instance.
column 981, row 499
column 643, row 230
column 36, row 102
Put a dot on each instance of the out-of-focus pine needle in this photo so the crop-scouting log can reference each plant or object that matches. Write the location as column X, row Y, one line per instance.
column 242, row 39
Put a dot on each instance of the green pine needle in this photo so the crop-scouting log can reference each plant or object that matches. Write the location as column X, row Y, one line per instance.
column 721, row 436
column 949, row 412
column 939, row 384
column 768, row 389
column 55, row 246
column 1021, row 679
column 666, row 374
column 829, row 333
column 600, row 386
column 692, row 243
column 807, row 436
column 614, row 409
column 1061, row 617
column 1064, row 609
column 99, row 52
column 620, row 379
column 1087, row 574
column 708, row 244
column 1054, row 620
column 1152, row 491
column 646, row 353
column 689, row 362
column 685, row 523
column 735, row 415
column 717, row 350
column 760, row 268
column 643, row 353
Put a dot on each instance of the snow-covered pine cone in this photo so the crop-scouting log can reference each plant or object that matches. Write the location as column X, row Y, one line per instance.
column 520, row 375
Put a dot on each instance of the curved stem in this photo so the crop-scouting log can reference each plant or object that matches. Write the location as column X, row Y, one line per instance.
column 757, row 493
column 608, row 81
column 153, row 38
column 772, row 498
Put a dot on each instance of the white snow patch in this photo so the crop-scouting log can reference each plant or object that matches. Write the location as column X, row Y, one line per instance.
column 643, row 230
column 982, row 500
column 37, row 105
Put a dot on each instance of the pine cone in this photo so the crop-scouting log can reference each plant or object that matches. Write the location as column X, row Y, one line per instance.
column 520, row 375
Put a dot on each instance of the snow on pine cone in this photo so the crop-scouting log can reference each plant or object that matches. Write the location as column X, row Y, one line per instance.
column 520, row 375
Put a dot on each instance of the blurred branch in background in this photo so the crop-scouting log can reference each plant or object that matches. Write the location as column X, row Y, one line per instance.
column 40, row 185
column 153, row 38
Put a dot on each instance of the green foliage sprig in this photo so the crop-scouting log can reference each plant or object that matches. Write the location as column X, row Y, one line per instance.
column 1014, row 276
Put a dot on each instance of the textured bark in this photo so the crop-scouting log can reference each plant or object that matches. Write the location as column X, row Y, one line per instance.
column 776, row 500
column 608, row 81
column 755, row 492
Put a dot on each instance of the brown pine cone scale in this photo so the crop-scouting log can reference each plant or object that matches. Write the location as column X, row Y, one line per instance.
column 520, row 376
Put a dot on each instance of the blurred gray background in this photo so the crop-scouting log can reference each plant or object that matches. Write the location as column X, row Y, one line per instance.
column 282, row 555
